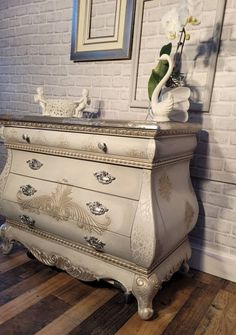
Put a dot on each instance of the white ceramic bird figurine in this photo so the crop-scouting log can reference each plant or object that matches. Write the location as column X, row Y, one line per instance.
column 174, row 101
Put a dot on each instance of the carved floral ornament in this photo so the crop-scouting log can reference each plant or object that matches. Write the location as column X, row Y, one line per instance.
column 165, row 187
column 60, row 206
column 62, row 263
column 189, row 214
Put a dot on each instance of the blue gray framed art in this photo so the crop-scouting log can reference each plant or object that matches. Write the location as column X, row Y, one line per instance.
column 102, row 29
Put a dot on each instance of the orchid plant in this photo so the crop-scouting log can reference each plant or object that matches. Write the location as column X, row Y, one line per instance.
column 174, row 24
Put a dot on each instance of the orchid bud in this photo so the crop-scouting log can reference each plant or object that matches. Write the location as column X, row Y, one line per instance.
column 187, row 37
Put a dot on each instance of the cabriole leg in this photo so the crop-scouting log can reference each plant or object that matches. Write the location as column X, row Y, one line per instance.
column 6, row 244
column 185, row 267
column 144, row 290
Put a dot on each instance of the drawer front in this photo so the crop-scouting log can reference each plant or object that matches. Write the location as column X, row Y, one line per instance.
column 109, row 242
column 91, row 211
column 101, row 144
column 107, row 178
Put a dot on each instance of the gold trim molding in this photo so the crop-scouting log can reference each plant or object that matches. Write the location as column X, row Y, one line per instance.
column 119, row 160
column 136, row 130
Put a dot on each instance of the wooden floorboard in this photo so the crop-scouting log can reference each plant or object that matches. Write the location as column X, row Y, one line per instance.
column 36, row 299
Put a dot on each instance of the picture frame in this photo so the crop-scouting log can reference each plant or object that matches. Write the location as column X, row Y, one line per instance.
column 114, row 42
column 213, row 43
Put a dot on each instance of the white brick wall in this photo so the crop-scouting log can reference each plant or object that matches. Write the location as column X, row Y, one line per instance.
column 35, row 50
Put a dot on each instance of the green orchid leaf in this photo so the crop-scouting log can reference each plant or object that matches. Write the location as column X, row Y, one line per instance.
column 156, row 76
column 166, row 49
column 160, row 70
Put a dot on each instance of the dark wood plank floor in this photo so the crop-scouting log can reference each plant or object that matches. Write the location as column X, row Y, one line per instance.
column 36, row 299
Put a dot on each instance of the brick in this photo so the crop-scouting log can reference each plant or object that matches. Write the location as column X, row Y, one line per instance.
column 208, row 185
column 230, row 65
column 120, row 105
column 233, row 33
column 209, row 210
column 233, row 139
column 45, row 28
column 230, row 189
column 102, row 81
column 221, row 137
column 228, row 94
column 229, row 215
column 229, row 17
column 226, row 240
column 209, row 163
column 67, row 81
column 203, row 234
column 46, row 7
column 52, row 60
column 62, row 4
column 234, row 230
column 58, row 91
column 221, row 109
column 120, row 82
column 223, row 79
column 39, row 19
column 59, row 70
column 227, row 124
column 109, row 93
column 230, row 166
column 62, row 27
column 37, row 60
column 209, row 245
column 112, row 70
column 220, row 200
column 38, row 80
column 232, row 252
column 218, row 225
column 51, row 80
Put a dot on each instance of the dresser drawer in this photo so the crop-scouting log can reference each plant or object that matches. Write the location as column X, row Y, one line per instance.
column 91, row 211
column 106, row 178
column 101, row 144
column 111, row 243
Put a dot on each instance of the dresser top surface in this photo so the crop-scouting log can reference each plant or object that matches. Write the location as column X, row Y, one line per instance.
column 103, row 126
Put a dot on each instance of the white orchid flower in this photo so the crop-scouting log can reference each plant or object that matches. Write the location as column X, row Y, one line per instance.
column 177, row 18
column 194, row 7
column 171, row 24
column 190, row 8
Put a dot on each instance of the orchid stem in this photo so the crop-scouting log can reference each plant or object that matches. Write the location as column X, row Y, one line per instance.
column 180, row 44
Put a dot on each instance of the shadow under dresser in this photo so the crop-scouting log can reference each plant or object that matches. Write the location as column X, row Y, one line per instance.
column 101, row 199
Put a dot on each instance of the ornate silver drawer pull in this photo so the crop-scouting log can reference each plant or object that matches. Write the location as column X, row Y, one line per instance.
column 104, row 177
column 96, row 208
column 102, row 146
column 26, row 138
column 95, row 243
column 25, row 219
column 28, row 190
column 34, row 164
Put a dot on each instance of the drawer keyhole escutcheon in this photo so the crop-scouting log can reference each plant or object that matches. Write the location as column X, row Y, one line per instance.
column 97, row 208
column 27, row 220
column 102, row 147
column 95, row 243
column 34, row 164
column 26, row 138
column 28, row 190
column 104, row 177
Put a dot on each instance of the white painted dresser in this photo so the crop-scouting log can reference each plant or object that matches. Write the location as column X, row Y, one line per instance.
column 101, row 199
